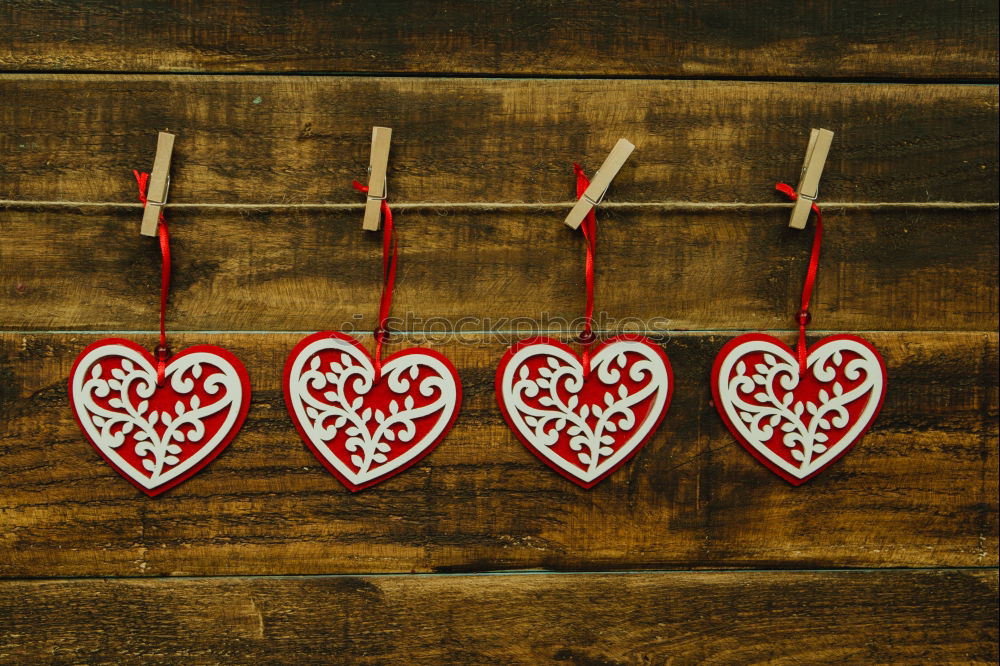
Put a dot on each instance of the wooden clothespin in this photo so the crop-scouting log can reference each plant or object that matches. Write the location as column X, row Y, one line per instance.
column 594, row 193
column 159, row 184
column 812, row 170
column 377, row 188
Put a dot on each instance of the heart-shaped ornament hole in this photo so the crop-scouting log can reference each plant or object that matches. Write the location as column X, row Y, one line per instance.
column 584, row 429
column 798, row 425
column 362, row 428
column 157, row 437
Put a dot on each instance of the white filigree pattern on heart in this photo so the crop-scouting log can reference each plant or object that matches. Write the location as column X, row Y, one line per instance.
column 323, row 419
column 804, row 435
column 184, row 426
column 592, row 443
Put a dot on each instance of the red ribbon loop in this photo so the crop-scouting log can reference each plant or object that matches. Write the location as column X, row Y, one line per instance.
column 589, row 227
column 162, row 351
column 389, row 257
column 803, row 317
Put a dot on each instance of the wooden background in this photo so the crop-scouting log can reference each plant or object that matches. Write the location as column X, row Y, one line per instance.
column 693, row 552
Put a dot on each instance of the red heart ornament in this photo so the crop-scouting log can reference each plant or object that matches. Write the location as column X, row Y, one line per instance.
column 584, row 429
column 362, row 428
column 157, row 437
column 798, row 425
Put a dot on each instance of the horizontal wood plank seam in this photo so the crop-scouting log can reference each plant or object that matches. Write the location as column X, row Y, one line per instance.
column 512, row 76
column 505, row 572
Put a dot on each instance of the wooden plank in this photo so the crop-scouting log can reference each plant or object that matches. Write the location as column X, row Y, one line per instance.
column 919, row 490
column 736, row 617
column 879, row 270
column 853, row 39
column 303, row 139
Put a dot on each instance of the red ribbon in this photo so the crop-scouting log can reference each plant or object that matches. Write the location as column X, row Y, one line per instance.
column 162, row 352
column 589, row 227
column 389, row 256
column 803, row 316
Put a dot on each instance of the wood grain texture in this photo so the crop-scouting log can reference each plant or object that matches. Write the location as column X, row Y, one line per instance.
column 919, row 490
column 899, row 617
column 847, row 39
column 282, row 271
column 303, row 139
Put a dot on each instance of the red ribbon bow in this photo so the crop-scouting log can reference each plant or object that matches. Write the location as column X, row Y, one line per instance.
column 162, row 352
column 803, row 317
column 389, row 256
column 589, row 227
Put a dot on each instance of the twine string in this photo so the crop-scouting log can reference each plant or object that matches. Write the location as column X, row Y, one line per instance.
column 513, row 205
